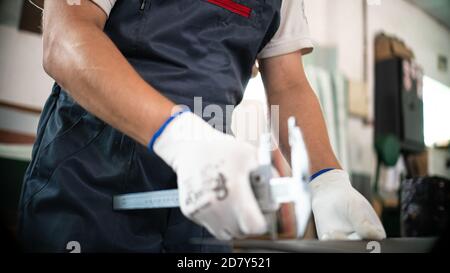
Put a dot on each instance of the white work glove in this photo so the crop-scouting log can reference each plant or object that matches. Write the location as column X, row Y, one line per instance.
column 340, row 211
column 213, row 172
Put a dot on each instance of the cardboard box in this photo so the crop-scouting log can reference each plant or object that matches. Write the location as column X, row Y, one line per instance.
column 387, row 47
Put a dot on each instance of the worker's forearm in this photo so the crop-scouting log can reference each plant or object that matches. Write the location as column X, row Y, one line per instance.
column 302, row 103
column 86, row 63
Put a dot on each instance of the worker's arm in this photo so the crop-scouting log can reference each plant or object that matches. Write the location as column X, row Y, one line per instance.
column 339, row 210
column 86, row 63
column 287, row 86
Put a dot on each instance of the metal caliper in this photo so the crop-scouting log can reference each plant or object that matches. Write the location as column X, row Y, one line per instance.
column 270, row 191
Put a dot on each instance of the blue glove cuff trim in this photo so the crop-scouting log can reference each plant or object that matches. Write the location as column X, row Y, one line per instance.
column 164, row 126
column 319, row 173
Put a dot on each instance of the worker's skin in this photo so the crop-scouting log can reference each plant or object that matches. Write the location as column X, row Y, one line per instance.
column 86, row 63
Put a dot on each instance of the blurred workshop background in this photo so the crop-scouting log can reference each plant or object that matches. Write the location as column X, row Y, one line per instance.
column 380, row 69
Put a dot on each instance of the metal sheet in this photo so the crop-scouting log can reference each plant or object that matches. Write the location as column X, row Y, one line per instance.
column 393, row 245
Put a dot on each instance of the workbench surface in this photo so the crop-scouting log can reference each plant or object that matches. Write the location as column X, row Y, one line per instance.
column 393, row 245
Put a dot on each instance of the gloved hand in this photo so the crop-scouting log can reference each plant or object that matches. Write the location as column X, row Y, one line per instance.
column 213, row 172
column 340, row 211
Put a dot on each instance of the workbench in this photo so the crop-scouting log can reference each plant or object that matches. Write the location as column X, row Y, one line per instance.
column 392, row 245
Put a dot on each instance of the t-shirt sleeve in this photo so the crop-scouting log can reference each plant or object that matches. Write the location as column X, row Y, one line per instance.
column 293, row 32
column 105, row 5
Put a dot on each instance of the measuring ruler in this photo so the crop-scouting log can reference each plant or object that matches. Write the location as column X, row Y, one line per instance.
column 147, row 200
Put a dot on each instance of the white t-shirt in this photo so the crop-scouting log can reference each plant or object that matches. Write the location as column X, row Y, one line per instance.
column 292, row 35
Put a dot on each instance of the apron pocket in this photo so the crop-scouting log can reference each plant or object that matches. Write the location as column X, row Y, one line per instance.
column 69, row 130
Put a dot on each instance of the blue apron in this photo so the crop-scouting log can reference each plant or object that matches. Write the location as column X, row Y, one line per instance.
column 183, row 48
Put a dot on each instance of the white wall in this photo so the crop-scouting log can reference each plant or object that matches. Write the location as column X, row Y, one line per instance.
column 22, row 78
column 340, row 23
column 422, row 33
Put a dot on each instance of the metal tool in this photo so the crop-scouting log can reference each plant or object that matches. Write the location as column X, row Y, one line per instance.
column 147, row 200
column 260, row 181
column 269, row 191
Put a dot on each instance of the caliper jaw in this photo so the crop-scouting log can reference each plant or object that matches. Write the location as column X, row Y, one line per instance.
column 260, row 182
column 270, row 192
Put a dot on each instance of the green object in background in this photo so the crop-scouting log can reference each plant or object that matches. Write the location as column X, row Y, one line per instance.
column 388, row 149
